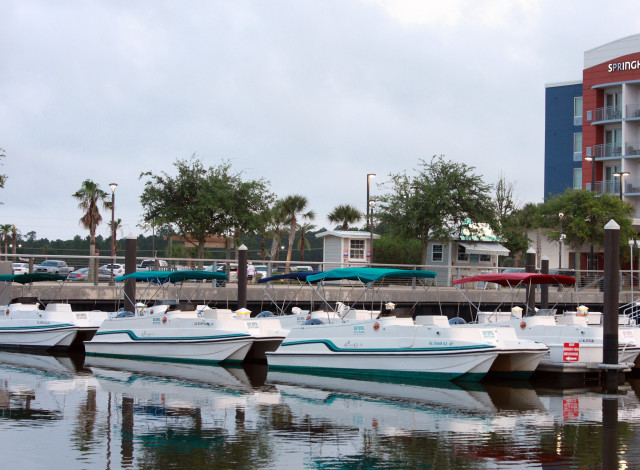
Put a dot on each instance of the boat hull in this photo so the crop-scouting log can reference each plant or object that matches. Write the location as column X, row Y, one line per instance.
column 385, row 348
column 176, row 337
column 35, row 334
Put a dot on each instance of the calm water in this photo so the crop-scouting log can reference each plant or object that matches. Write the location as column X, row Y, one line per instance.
column 57, row 412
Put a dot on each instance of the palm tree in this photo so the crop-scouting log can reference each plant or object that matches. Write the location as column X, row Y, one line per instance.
column 14, row 237
column 278, row 219
column 113, row 231
column 293, row 206
column 303, row 242
column 346, row 215
column 90, row 195
column 5, row 231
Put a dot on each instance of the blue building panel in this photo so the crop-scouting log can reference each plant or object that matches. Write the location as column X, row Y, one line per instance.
column 558, row 138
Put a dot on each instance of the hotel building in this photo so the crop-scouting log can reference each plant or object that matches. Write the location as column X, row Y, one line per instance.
column 592, row 127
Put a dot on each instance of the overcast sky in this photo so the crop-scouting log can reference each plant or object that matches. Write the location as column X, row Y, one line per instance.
column 310, row 95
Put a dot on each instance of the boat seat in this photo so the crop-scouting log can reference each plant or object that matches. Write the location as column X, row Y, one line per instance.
column 25, row 300
column 398, row 312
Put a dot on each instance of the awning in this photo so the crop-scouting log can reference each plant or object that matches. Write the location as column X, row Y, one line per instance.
column 484, row 248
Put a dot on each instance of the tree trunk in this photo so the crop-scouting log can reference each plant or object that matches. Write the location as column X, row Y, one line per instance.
column 425, row 252
column 200, row 250
column 292, row 236
column 275, row 241
column 92, row 275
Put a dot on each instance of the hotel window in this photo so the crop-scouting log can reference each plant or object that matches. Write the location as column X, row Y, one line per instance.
column 577, row 178
column 485, row 258
column 577, row 111
column 577, row 146
column 436, row 254
column 356, row 249
column 462, row 254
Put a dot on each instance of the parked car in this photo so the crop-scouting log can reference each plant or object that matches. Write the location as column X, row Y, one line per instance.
column 261, row 271
column 78, row 275
column 295, row 269
column 118, row 270
column 53, row 266
column 82, row 274
column 150, row 265
column 20, row 268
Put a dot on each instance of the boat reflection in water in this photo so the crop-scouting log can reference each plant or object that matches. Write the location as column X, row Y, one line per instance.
column 119, row 413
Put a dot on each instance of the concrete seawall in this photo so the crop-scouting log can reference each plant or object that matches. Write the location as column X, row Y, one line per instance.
column 104, row 296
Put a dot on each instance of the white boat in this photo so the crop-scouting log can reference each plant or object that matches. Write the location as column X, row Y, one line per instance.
column 86, row 322
column 194, row 335
column 390, row 345
column 518, row 358
column 574, row 345
column 27, row 325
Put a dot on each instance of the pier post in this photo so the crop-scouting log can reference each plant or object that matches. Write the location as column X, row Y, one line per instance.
column 130, row 253
column 611, row 302
column 610, row 432
column 544, row 288
column 243, row 258
column 530, row 267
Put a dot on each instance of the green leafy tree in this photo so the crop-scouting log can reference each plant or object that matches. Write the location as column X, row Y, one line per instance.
column 584, row 218
column 345, row 215
column 435, row 202
column 394, row 250
column 294, row 206
column 90, row 196
column 515, row 228
column 204, row 202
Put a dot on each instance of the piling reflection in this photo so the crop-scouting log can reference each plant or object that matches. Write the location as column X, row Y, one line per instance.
column 116, row 413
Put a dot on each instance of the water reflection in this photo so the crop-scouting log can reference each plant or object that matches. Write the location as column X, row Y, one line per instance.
column 118, row 413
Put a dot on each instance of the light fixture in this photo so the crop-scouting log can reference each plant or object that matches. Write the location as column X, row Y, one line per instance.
column 113, row 187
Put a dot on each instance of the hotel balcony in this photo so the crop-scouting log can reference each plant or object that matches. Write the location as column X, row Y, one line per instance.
column 632, row 111
column 607, row 151
column 631, row 187
column 608, row 113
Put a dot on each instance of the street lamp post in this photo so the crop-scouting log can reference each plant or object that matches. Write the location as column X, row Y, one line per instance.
column 621, row 174
column 560, row 215
column 631, row 245
column 593, row 171
column 369, row 176
column 113, row 187
column 372, row 204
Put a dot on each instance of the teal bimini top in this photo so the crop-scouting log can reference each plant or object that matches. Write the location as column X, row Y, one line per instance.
column 369, row 274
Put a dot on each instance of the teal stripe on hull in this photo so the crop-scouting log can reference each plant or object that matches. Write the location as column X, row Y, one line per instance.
column 332, row 347
column 135, row 337
column 373, row 373
column 160, row 358
column 38, row 327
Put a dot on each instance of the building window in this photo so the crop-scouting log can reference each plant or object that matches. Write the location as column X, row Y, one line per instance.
column 577, row 178
column 356, row 249
column 577, row 146
column 436, row 253
column 462, row 254
column 577, row 111
column 485, row 258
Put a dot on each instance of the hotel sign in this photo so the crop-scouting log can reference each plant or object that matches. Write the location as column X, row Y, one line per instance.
column 628, row 65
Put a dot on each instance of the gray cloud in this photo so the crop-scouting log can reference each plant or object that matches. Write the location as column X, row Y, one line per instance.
column 309, row 95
